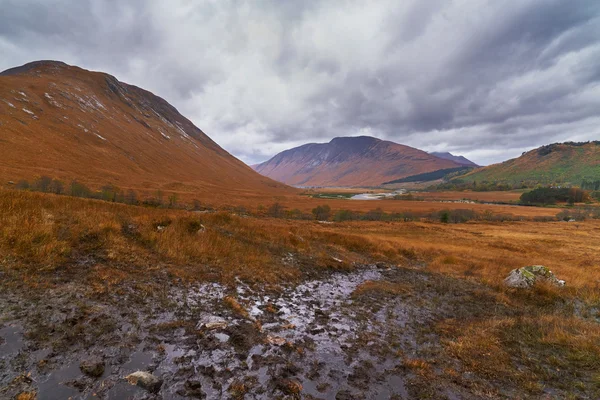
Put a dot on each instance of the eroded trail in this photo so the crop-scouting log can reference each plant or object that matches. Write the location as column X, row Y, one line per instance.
column 348, row 335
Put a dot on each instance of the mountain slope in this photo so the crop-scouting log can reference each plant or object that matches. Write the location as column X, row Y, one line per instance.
column 458, row 159
column 555, row 163
column 350, row 161
column 69, row 123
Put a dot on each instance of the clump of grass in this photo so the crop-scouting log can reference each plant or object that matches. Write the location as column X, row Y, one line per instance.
column 529, row 350
column 235, row 306
column 418, row 366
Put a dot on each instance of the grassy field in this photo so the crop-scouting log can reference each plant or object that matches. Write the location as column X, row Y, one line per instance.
column 524, row 339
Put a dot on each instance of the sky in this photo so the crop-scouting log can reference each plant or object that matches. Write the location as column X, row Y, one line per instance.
column 486, row 79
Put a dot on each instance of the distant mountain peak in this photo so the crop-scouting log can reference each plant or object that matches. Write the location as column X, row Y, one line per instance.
column 350, row 161
column 458, row 159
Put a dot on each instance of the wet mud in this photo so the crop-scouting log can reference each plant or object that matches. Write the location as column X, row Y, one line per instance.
column 320, row 339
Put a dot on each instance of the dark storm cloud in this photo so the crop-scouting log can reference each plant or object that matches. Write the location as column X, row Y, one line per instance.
column 488, row 79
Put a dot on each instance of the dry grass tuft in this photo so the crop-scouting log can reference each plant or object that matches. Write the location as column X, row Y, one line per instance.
column 235, row 306
column 530, row 350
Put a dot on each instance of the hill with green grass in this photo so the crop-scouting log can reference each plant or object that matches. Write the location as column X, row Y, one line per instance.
column 559, row 163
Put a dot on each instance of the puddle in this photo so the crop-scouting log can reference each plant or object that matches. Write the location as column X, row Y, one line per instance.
column 54, row 388
column 11, row 341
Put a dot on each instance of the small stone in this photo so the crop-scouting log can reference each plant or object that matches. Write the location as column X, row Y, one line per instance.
column 145, row 380
column 276, row 340
column 212, row 322
column 93, row 367
column 527, row 277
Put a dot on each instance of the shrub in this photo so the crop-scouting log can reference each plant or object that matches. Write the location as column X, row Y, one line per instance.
column 275, row 210
column 344, row 215
column 445, row 217
column 322, row 213
column 550, row 195
column 80, row 190
column 374, row 215
column 22, row 185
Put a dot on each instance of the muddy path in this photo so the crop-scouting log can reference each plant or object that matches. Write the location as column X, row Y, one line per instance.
column 346, row 335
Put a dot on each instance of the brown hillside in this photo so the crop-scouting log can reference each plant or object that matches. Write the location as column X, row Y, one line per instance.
column 69, row 123
column 350, row 161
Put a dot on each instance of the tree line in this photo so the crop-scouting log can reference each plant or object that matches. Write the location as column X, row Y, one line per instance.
column 111, row 193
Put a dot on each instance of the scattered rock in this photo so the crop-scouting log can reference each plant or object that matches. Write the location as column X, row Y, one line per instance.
column 212, row 322
column 145, row 380
column 93, row 367
column 276, row 340
column 526, row 277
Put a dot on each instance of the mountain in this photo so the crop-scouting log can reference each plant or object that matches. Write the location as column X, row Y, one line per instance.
column 69, row 123
column 555, row 163
column 350, row 161
column 458, row 159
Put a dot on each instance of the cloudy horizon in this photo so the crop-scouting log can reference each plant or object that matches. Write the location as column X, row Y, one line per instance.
column 483, row 79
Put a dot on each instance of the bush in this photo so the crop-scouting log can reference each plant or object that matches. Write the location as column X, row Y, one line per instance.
column 551, row 195
column 375, row 215
column 445, row 217
column 322, row 213
column 22, row 185
column 80, row 190
column 344, row 215
column 275, row 210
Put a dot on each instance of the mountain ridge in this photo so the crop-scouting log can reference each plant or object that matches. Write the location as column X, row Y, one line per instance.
column 567, row 163
column 70, row 123
column 349, row 161
column 459, row 159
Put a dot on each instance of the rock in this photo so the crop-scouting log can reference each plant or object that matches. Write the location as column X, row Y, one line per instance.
column 276, row 340
column 160, row 228
column 145, row 380
column 526, row 277
column 212, row 322
column 93, row 367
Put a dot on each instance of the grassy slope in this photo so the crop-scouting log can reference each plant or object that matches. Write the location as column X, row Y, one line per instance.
column 564, row 164
column 69, row 123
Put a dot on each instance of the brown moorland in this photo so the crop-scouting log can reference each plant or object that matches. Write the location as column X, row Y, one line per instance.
column 491, row 340
column 504, row 338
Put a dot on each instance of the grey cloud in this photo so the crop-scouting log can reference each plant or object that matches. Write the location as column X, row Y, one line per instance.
column 487, row 79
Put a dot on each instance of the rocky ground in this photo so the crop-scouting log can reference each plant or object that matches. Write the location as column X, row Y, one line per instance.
column 344, row 335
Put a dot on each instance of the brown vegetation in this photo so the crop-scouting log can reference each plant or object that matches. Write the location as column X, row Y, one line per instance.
column 47, row 240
